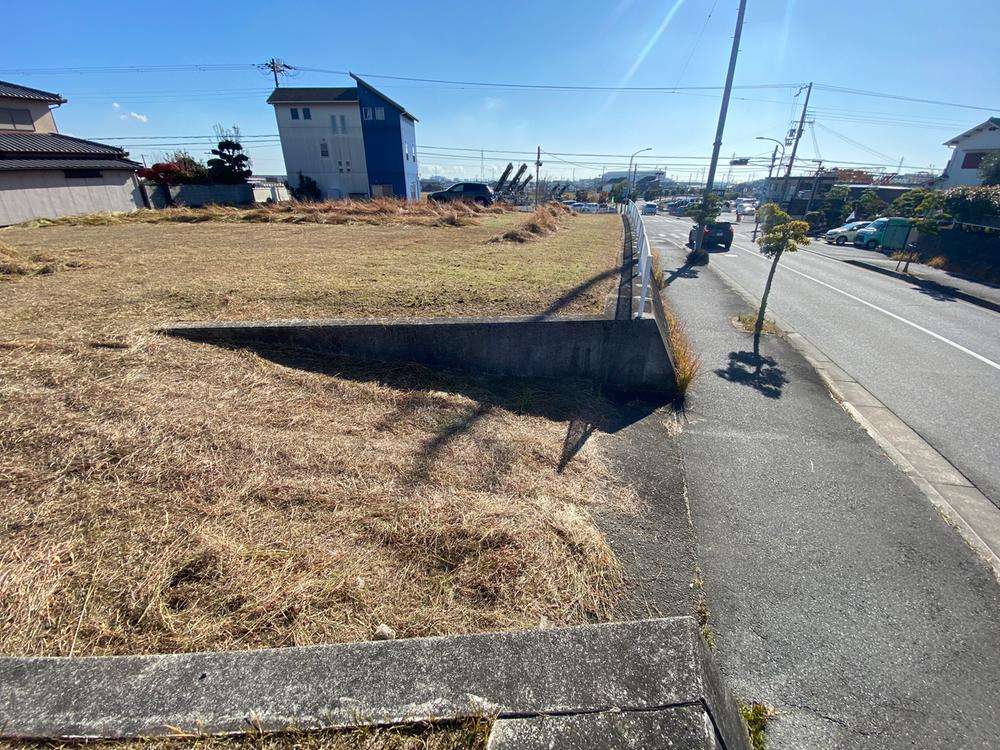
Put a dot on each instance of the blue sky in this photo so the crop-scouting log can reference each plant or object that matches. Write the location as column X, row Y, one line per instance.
column 915, row 48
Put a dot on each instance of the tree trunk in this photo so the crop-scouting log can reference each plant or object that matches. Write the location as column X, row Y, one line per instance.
column 763, row 304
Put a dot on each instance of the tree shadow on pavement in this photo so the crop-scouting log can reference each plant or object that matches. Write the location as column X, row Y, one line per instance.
column 938, row 292
column 687, row 271
column 755, row 370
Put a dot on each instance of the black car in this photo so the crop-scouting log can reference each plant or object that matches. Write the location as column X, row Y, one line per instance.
column 717, row 233
column 477, row 192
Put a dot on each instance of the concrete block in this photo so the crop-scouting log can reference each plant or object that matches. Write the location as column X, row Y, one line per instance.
column 648, row 665
column 683, row 727
column 627, row 354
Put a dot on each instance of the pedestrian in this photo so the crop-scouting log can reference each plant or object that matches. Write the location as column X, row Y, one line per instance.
column 739, row 215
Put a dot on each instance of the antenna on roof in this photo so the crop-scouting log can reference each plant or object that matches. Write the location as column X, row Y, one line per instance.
column 277, row 67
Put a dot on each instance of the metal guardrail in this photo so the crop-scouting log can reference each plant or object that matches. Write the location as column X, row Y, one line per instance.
column 645, row 263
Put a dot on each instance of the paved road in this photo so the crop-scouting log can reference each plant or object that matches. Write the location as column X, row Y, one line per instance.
column 837, row 592
column 933, row 360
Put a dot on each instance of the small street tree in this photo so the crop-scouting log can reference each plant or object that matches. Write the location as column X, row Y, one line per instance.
column 835, row 205
column 307, row 191
column 230, row 165
column 703, row 212
column 869, row 205
column 780, row 234
column 989, row 169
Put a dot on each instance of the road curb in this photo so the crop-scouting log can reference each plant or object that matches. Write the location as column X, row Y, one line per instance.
column 958, row 500
column 923, row 283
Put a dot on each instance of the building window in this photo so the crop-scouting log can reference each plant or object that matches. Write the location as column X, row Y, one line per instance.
column 973, row 159
column 343, row 125
column 347, row 164
column 333, row 123
column 306, row 113
column 340, row 166
column 367, row 113
column 16, row 119
column 80, row 174
column 323, row 149
column 295, row 113
column 379, row 113
column 406, row 150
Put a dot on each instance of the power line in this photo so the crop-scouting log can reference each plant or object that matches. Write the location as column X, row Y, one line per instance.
column 549, row 87
column 197, row 68
column 900, row 97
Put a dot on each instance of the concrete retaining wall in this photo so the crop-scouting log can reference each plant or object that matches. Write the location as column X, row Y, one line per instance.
column 651, row 667
column 627, row 354
column 200, row 195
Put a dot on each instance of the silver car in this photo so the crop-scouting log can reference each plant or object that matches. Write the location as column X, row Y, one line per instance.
column 843, row 235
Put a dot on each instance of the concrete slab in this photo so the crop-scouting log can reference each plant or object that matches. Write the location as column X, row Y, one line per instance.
column 643, row 665
column 687, row 727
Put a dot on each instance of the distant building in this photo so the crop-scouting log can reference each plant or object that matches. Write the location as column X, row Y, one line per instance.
column 355, row 142
column 46, row 174
column 970, row 148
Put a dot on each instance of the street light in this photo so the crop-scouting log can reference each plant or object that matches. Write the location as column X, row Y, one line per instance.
column 630, row 178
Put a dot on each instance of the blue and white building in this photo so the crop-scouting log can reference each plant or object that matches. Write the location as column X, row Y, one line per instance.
column 354, row 141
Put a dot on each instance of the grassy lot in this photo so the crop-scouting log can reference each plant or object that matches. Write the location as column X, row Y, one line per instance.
column 158, row 495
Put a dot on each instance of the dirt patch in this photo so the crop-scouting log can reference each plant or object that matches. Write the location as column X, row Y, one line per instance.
column 748, row 322
column 158, row 495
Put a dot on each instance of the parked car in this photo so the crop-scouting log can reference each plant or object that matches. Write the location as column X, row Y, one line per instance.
column 477, row 192
column 717, row 233
column 649, row 209
column 843, row 235
column 889, row 232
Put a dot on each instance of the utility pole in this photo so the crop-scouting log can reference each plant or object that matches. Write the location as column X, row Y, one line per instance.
column 812, row 193
column 795, row 144
column 700, row 256
column 276, row 67
column 756, row 222
column 538, row 164
column 482, row 167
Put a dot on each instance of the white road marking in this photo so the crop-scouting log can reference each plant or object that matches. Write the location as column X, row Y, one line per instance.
column 893, row 315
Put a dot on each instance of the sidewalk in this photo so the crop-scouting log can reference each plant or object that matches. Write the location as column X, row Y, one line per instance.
column 947, row 284
column 837, row 593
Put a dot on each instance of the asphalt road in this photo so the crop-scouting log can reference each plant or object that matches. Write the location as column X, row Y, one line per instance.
column 933, row 360
column 837, row 593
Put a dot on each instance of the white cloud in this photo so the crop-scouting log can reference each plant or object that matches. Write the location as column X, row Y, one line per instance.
column 116, row 105
column 134, row 116
column 492, row 102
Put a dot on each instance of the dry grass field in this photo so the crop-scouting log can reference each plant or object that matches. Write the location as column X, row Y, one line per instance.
column 471, row 734
column 158, row 495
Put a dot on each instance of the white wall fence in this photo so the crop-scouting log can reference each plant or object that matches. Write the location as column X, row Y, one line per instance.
column 640, row 241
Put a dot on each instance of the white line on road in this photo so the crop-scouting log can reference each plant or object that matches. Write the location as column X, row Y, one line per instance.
column 901, row 319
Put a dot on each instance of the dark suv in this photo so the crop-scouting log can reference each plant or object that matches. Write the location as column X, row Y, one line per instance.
column 477, row 192
column 718, row 233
